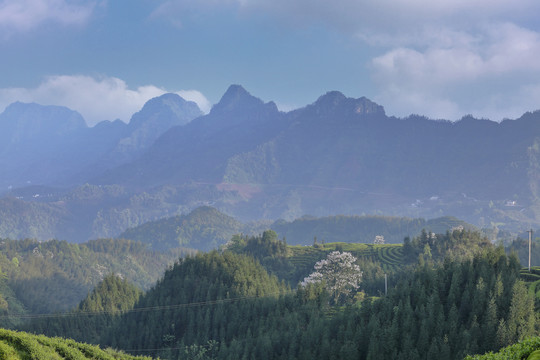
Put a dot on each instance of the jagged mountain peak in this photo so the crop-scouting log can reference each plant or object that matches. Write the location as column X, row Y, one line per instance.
column 471, row 119
column 334, row 97
column 236, row 97
column 170, row 103
column 335, row 101
column 168, row 99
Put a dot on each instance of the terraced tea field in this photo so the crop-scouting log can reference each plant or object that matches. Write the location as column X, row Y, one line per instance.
column 390, row 256
column 532, row 279
column 19, row 345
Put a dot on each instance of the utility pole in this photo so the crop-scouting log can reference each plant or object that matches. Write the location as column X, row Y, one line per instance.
column 530, row 240
column 385, row 284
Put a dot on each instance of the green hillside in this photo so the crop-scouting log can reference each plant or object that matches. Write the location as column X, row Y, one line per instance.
column 225, row 306
column 389, row 256
column 361, row 229
column 111, row 295
column 205, row 228
column 201, row 282
column 532, row 279
column 55, row 275
column 19, row 345
column 94, row 315
column 292, row 263
column 9, row 304
column 525, row 350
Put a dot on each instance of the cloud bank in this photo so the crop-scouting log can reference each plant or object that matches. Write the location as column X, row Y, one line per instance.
column 443, row 59
column 96, row 99
column 26, row 15
column 488, row 74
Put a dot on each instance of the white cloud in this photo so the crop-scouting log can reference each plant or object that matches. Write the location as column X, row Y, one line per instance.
column 173, row 11
column 25, row 15
column 97, row 99
column 442, row 58
column 481, row 73
column 389, row 16
column 197, row 97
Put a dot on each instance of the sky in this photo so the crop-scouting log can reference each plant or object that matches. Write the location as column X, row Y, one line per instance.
column 105, row 58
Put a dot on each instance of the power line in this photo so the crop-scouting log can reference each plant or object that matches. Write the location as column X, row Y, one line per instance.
column 148, row 309
column 140, row 310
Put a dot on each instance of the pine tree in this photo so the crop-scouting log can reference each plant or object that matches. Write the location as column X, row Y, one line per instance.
column 521, row 319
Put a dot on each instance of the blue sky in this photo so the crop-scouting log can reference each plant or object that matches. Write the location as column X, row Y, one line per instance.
column 442, row 59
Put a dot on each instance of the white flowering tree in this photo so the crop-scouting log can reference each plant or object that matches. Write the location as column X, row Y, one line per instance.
column 339, row 272
column 379, row 240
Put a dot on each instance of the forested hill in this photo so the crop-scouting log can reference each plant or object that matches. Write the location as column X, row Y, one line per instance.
column 45, row 277
column 205, row 228
column 90, row 212
column 226, row 306
column 363, row 229
column 94, row 315
column 212, row 280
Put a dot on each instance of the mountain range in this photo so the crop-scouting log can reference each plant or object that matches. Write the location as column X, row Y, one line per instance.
column 338, row 155
column 52, row 145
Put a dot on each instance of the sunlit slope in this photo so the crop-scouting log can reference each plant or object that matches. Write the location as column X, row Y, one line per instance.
column 19, row 345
